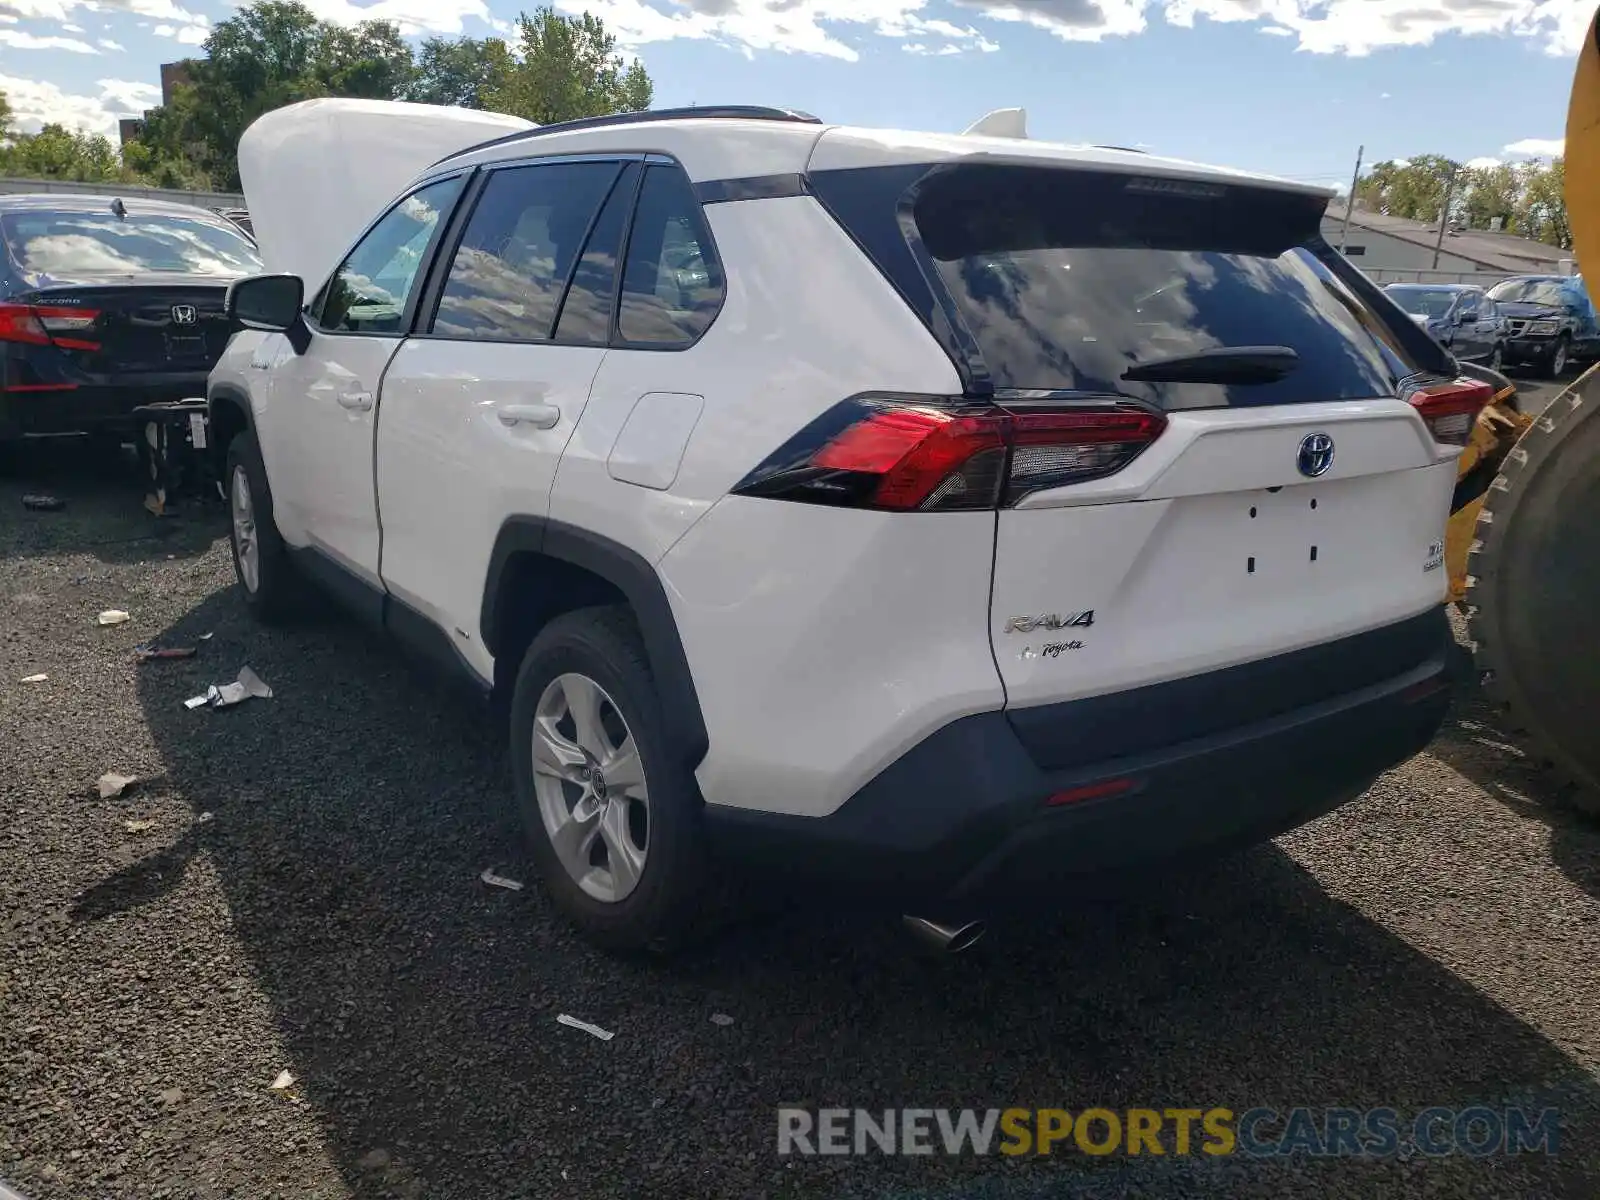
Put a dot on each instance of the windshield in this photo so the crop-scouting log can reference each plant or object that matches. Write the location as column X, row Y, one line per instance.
column 1532, row 291
column 80, row 243
column 1067, row 279
column 1422, row 302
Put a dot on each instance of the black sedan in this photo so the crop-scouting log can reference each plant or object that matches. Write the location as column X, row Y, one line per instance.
column 107, row 304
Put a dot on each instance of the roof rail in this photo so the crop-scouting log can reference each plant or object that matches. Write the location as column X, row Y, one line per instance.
column 1124, row 149
column 746, row 112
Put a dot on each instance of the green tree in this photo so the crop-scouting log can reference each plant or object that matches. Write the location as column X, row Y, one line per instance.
column 458, row 72
column 56, row 152
column 1414, row 189
column 565, row 68
column 5, row 117
column 1542, row 213
column 265, row 56
column 1491, row 193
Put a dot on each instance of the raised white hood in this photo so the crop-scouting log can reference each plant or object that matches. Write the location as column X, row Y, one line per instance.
column 317, row 173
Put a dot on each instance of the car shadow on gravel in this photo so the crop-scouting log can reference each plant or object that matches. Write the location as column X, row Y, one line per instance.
column 102, row 509
column 353, row 812
column 1475, row 743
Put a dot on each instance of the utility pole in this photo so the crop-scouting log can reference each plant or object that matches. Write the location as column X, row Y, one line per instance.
column 1350, row 202
column 1444, row 215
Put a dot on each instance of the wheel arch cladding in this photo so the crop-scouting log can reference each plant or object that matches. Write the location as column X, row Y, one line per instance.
column 229, row 413
column 540, row 569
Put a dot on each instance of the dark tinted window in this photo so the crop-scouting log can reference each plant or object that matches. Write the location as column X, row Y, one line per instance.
column 586, row 311
column 511, row 268
column 1068, row 278
column 79, row 243
column 672, row 285
column 1535, row 291
column 368, row 293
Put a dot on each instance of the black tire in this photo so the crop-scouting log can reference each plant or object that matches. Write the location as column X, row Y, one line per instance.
column 276, row 594
column 1560, row 358
column 658, row 914
column 1497, row 358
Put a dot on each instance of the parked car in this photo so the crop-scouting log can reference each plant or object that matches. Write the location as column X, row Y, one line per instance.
column 1552, row 321
column 1459, row 317
column 108, row 304
column 1082, row 511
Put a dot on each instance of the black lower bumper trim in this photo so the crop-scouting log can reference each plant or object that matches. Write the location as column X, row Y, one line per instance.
column 962, row 821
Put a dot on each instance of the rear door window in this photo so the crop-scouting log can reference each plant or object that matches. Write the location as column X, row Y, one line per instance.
column 1067, row 279
column 521, row 244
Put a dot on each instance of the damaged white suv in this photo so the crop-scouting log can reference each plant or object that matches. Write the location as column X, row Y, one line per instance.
column 939, row 518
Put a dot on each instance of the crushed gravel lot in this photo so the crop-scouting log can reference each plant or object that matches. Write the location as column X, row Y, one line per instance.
column 293, row 885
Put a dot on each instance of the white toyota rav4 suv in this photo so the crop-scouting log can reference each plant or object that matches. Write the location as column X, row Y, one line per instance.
column 941, row 519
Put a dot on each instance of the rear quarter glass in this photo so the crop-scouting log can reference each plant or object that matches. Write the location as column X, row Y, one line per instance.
column 1060, row 279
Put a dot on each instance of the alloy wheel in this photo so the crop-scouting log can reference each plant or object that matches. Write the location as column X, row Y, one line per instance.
column 247, row 549
column 589, row 782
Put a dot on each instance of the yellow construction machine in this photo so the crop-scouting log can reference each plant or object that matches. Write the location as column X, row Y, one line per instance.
column 1523, row 550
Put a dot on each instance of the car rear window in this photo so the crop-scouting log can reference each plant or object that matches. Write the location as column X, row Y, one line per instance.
column 86, row 243
column 1068, row 278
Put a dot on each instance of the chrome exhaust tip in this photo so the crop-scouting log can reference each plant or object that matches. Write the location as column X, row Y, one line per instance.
column 947, row 939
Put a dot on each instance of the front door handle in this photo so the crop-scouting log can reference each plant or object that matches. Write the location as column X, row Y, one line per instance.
column 359, row 401
column 540, row 416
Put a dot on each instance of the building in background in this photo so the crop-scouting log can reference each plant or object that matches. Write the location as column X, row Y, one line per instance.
column 1397, row 250
column 173, row 76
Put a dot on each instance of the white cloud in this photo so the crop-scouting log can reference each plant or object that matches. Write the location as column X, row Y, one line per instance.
column 193, row 35
column 108, row 44
column 18, row 40
column 1538, row 147
column 1481, row 164
column 836, row 28
column 413, row 16
column 35, row 103
column 72, row 29
column 1357, row 27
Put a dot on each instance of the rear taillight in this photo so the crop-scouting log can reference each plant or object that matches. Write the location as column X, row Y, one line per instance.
column 48, row 325
column 1450, row 408
column 930, row 455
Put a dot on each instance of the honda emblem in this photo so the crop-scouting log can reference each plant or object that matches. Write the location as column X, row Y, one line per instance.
column 184, row 314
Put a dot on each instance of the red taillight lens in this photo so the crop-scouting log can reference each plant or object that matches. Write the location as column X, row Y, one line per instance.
column 48, row 325
column 1449, row 409
column 906, row 455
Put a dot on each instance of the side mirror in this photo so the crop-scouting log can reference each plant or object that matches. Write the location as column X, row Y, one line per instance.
column 271, row 303
column 1466, row 316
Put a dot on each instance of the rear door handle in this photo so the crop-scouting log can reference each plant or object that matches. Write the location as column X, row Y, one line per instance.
column 359, row 401
column 540, row 416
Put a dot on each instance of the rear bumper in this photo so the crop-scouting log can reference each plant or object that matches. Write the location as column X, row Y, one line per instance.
column 961, row 824
column 91, row 407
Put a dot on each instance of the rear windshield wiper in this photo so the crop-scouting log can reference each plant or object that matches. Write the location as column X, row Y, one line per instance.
column 1224, row 364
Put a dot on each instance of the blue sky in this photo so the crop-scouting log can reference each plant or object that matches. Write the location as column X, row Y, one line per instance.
column 1287, row 86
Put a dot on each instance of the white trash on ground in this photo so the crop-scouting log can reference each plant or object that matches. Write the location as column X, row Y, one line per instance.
column 40, row 678
column 112, row 784
column 283, row 1081
column 499, row 881
column 113, row 616
column 247, row 685
column 605, row 1035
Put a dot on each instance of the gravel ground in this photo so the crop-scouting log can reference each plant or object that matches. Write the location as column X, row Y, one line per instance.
column 293, row 885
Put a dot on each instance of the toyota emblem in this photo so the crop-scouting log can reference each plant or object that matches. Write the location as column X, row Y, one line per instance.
column 1315, row 456
column 184, row 314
